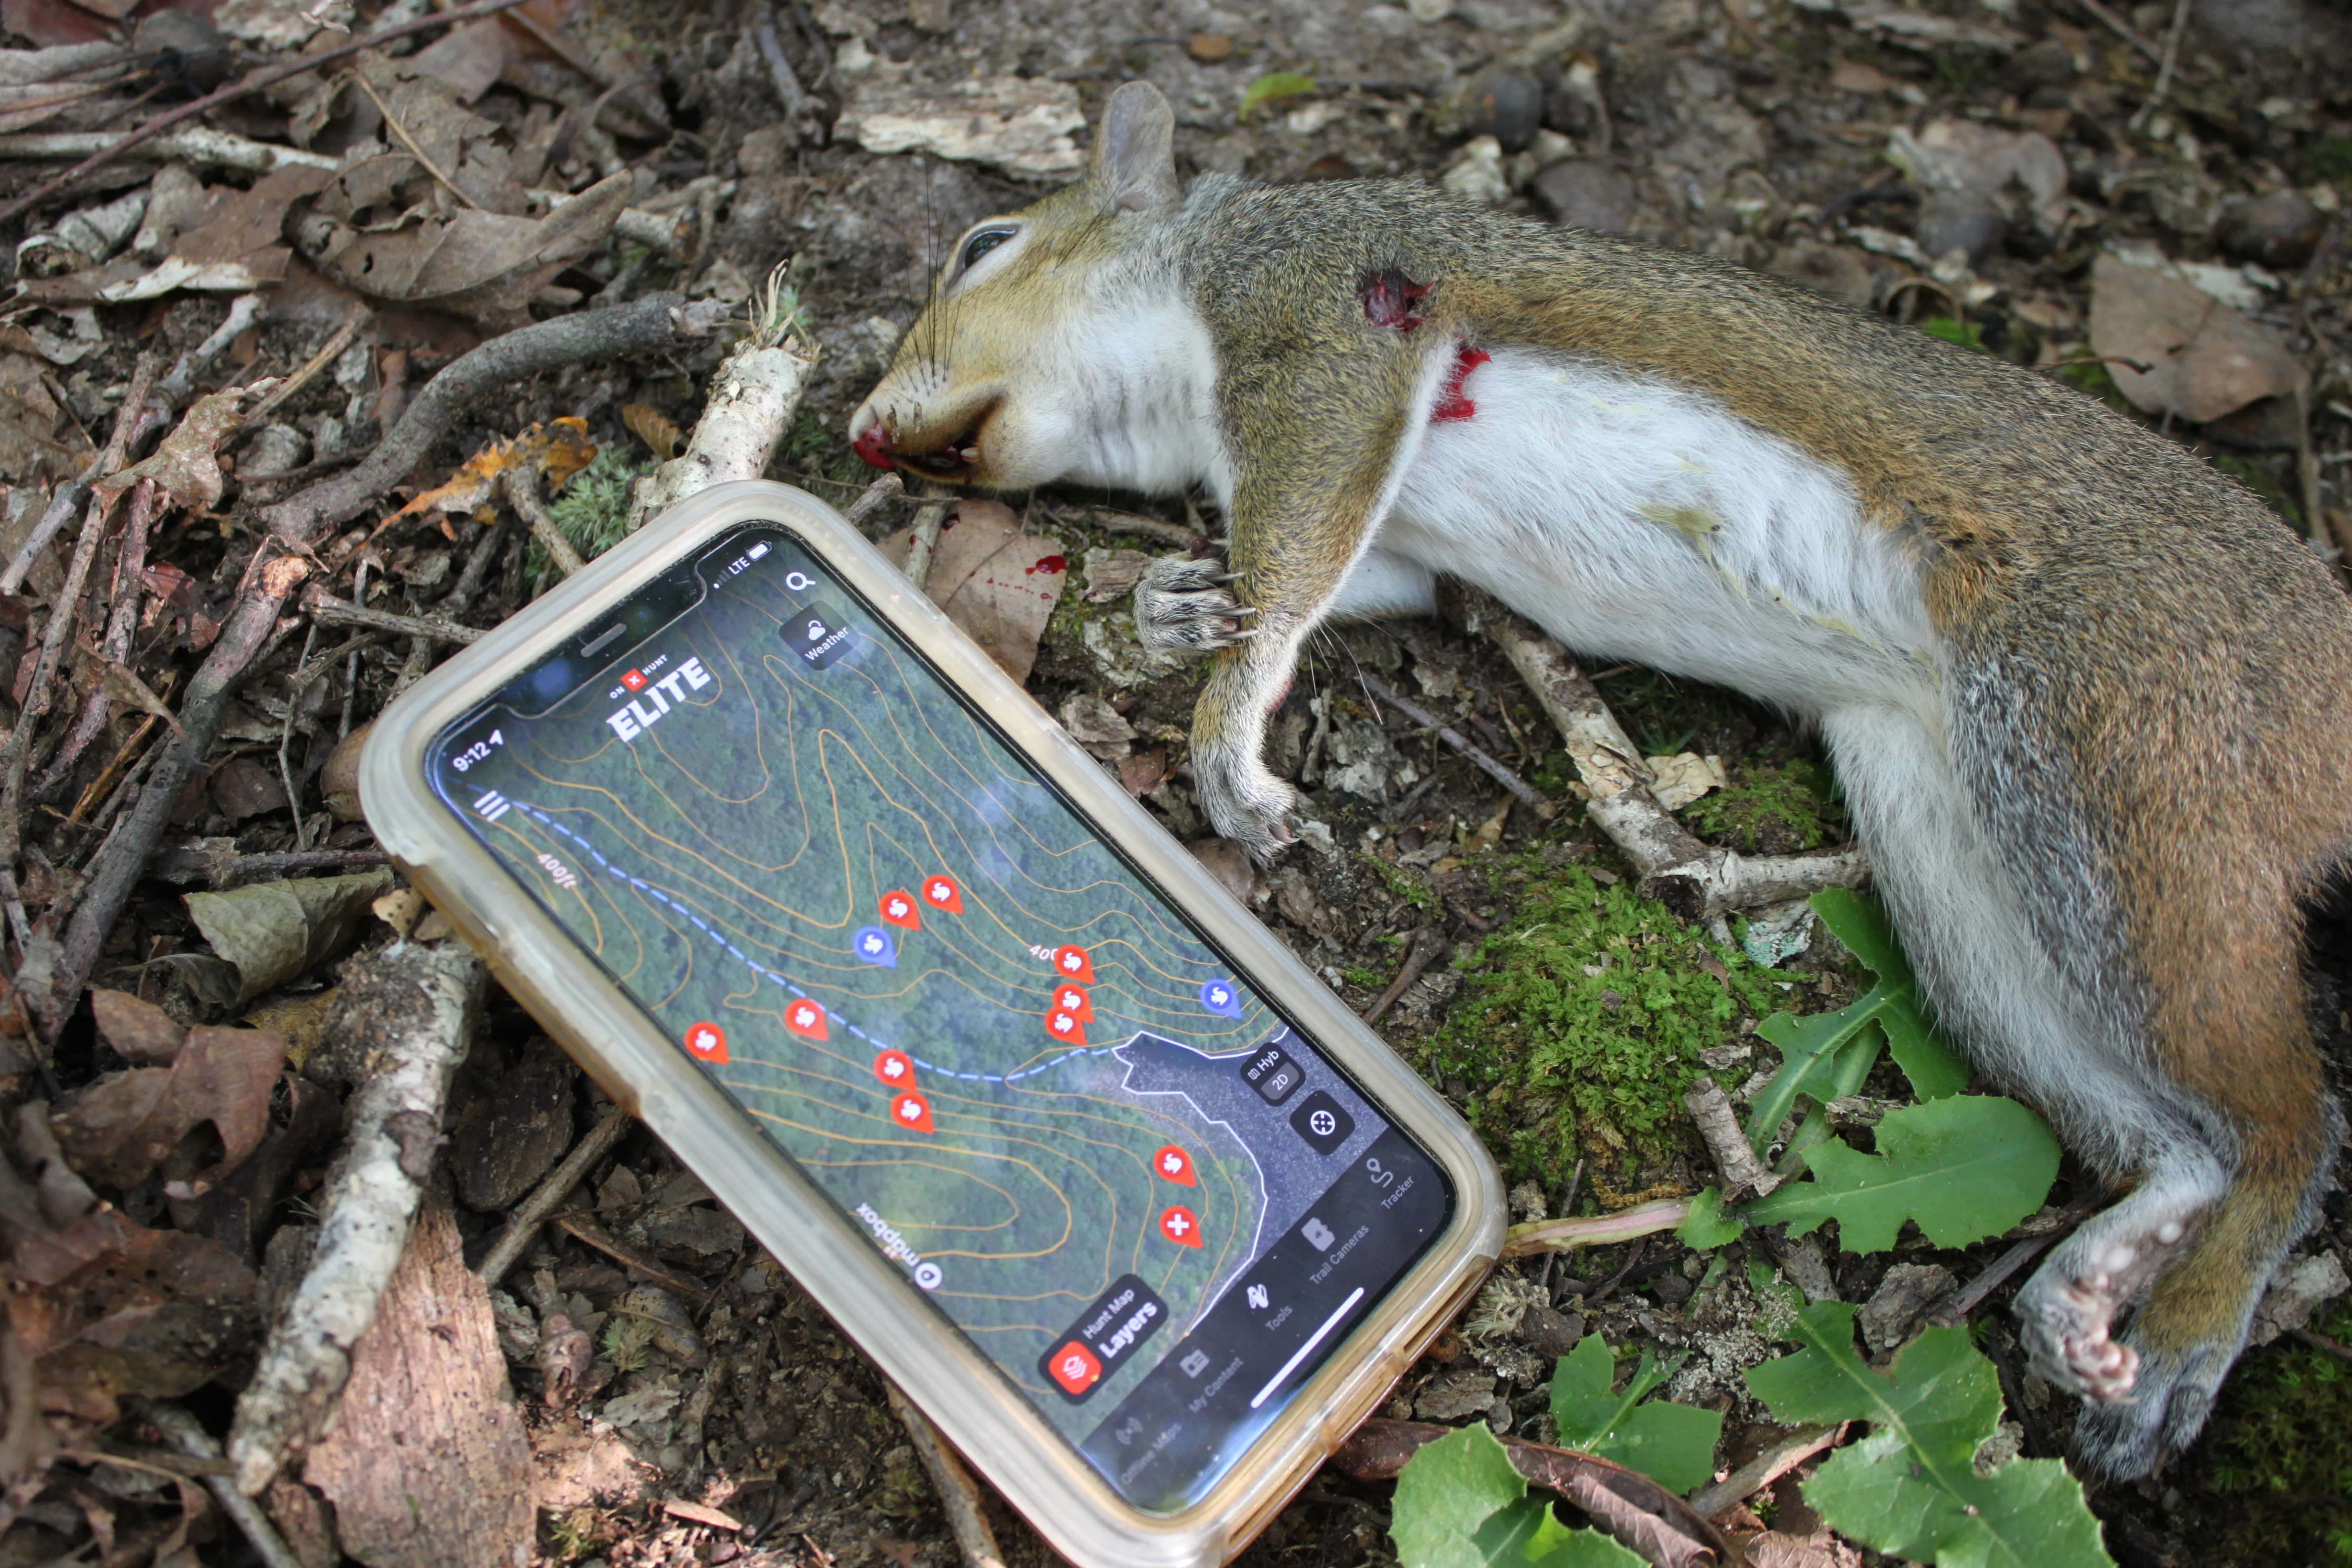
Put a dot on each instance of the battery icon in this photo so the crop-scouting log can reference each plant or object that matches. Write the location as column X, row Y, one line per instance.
column 755, row 553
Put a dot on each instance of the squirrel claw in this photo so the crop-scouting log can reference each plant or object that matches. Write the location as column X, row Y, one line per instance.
column 1183, row 606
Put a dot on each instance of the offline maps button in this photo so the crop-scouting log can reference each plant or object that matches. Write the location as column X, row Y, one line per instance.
column 1323, row 1122
column 817, row 634
column 1274, row 1075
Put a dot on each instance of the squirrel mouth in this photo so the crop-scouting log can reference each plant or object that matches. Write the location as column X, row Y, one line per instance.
column 954, row 461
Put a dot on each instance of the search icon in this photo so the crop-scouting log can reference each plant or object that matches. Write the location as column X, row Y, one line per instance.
column 799, row 581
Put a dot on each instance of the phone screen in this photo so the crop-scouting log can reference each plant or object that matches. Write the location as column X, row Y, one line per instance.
column 1068, row 1118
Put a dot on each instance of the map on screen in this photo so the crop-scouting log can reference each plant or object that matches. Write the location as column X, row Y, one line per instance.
column 1068, row 1119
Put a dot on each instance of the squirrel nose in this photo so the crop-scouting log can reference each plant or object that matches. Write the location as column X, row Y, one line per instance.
column 873, row 444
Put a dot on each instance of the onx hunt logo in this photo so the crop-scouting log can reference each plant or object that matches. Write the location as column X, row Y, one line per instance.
column 1119, row 1323
column 664, row 692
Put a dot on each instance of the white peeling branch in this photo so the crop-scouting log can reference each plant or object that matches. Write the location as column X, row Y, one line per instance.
column 416, row 1006
column 1698, row 883
column 1743, row 1172
column 750, row 404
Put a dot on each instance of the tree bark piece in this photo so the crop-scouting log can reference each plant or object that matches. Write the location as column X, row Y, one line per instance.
column 426, row 1463
column 1734, row 1155
column 641, row 327
column 1697, row 883
column 751, row 402
column 416, row 1005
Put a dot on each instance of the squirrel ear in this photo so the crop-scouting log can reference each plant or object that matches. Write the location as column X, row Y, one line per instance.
column 1135, row 155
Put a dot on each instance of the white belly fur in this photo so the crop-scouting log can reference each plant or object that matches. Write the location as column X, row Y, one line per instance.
column 1647, row 523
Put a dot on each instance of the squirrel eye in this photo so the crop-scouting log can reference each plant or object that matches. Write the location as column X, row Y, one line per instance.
column 980, row 243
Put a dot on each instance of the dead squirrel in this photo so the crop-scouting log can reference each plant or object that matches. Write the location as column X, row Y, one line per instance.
column 2086, row 696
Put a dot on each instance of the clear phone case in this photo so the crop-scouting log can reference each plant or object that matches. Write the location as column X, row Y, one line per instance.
column 833, row 1259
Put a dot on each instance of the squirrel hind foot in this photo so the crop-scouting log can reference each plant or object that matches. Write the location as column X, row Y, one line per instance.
column 1182, row 606
column 2068, row 1309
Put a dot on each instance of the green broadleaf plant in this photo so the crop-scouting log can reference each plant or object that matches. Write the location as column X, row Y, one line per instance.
column 1674, row 1444
column 1460, row 1504
column 1272, row 87
column 1911, row 1488
column 1965, row 1168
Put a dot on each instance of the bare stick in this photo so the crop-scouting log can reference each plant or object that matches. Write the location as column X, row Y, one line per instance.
column 1733, row 1156
column 924, row 542
column 192, row 1440
column 1525, row 793
column 520, row 486
column 2123, row 30
column 882, row 492
column 2164, row 69
column 243, row 312
column 532, row 1211
column 327, row 610
column 129, row 563
column 1566, row 1235
column 1955, row 1307
column 1765, row 1468
column 400, row 133
column 1697, row 882
column 251, row 83
column 959, row 1494
column 415, row 1004
column 66, row 501
column 1426, row 945
column 329, row 352
column 1149, row 528
column 641, row 327
column 118, row 867
column 801, row 112
column 2320, row 1342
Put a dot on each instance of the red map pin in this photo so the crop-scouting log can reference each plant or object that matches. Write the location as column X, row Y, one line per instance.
column 1172, row 1164
column 911, row 1109
column 895, row 1069
column 708, row 1041
column 802, row 1016
column 1065, row 1028
column 942, row 893
column 898, row 910
column 1071, row 962
column 1072, row 999
column 1179, row 1226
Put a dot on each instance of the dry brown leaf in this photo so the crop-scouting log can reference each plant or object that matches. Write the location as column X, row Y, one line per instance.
column 484, row 266
column 2204, row 359
column 53, row 1223
column 39, row 439
column 140, row 1032
column 272, row 931
column 235, row 246
column 559, row 449
column 427, row 1462
column 2011, row 167
column 998, row 583
column 655, row 428
column 187, row 463
column 156, row 1316
column 470, row 59
column 119, row 1128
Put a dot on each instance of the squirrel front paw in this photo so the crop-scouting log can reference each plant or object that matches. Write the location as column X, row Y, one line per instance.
column 1243, row 802
column 1181, row 606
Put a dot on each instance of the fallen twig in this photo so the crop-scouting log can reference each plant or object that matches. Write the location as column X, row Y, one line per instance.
column 1954, row 1308
column 1698, row 883
column 1764, row 1470
column 2320, row 1342
column 327, row 610
column 1565, row 1235
column 66, row 501
column 923, row 541
column 752, row 401
column 329, row 352
column 523, row 1225
column 1425, row 947
column 958, row 1493
column 251, row 83
column 1734, row 1155
column 118, row 867
column 196, row 145
column 519, row 484
column 643, row 326
column 584, row 1228
column 129, row 561
column 1643, row 1515
column 876, row 496
column 243, row 312
column 415, row 1006
column 802, row 112
column 192, row 1440
column 1183, row 538
column 1525, row 793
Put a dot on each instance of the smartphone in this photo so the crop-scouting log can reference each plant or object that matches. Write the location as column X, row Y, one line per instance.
column 1105, row 1179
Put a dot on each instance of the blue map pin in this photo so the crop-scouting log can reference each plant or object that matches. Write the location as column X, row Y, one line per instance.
column 1218, row 996
column 872, row 945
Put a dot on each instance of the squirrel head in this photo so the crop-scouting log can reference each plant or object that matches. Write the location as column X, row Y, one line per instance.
column 1008, row 375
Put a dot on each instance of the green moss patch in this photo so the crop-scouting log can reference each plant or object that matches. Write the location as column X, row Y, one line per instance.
column 1581, row 1020
column 1769, row 810
column 2282, row 1453
column 593, row 510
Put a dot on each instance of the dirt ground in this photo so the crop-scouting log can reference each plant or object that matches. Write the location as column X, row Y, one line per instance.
column 1962, row 164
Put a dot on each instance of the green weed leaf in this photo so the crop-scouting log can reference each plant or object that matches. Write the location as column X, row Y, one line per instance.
column 1707, row 1228
column 1965, row 1168
column 1273, row 86
column 1674, row 1444
column 1829, row 1054
column 1910, row 1488
column 1459, row 1504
